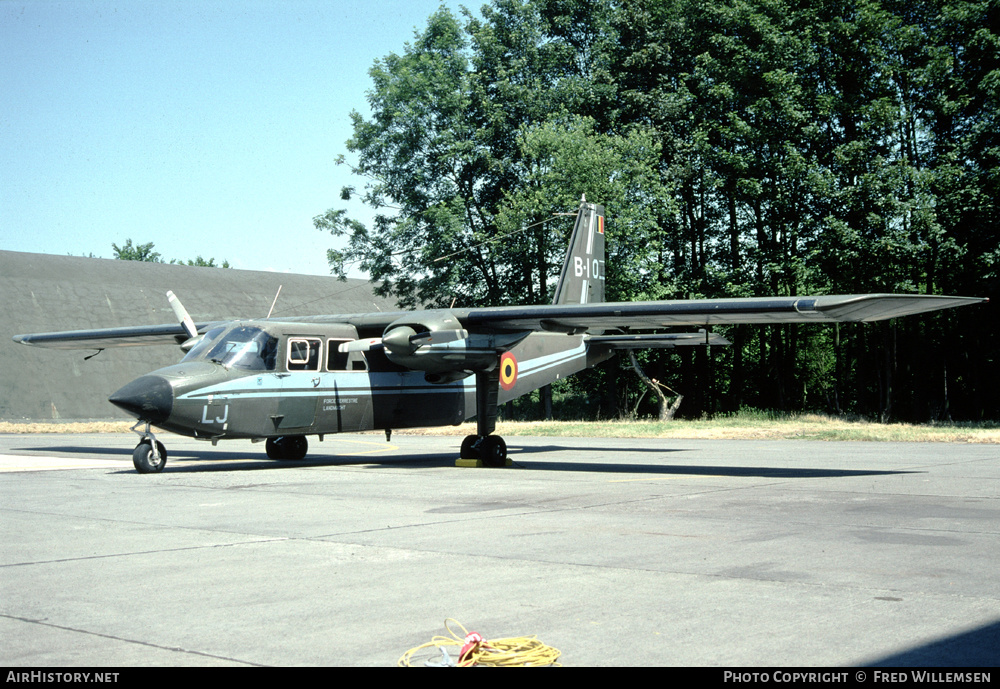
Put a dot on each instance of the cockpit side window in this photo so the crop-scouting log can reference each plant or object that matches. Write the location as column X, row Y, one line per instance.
column 303, row 354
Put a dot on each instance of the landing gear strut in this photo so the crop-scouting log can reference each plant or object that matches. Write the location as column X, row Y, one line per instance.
column 149, row 455
column 488, row 448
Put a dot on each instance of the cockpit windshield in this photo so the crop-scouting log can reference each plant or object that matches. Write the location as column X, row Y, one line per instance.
column 241, row 347
column 204, row 344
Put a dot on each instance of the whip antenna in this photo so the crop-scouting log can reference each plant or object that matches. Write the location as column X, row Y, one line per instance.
column 275, row 301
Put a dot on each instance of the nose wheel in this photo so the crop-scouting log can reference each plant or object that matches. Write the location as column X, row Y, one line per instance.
column 148, row 461
column 149, row 456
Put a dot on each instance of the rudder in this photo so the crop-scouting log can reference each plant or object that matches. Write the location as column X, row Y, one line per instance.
column 582, row 278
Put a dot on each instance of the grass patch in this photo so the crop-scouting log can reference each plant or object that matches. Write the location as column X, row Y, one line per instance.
column 748, row 426
column 745, row 425
column 66, row 427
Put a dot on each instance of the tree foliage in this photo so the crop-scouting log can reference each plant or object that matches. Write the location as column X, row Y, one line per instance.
column 741, row 148
column 136, row 252
column 144, row 252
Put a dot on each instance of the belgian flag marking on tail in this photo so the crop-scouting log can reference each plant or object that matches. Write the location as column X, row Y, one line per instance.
column 508, row 371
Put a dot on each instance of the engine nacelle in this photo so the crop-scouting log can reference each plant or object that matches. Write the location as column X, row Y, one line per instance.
column 436, row 342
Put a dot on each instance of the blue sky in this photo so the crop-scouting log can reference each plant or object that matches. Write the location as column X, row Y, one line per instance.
column 209, row 128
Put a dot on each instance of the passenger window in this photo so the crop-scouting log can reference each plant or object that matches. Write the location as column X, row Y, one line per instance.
column 303, row 354
column 343, row 361
column 335, row 359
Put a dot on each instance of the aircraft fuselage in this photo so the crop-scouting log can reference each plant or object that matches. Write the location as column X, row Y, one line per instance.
column 260, row 380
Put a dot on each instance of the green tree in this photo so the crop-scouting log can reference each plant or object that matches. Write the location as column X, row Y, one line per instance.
column 202, row 262
column 556, row 160
column 422, row 161
column 741, row 148
column 442, row 153
column 145, row 252
column 136, row 252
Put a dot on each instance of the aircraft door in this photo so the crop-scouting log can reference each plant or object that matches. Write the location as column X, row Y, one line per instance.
column 299, row 396
column 346, row 403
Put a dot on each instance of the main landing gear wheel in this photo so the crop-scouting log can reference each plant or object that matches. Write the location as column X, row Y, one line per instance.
column 143, row 459
column 288, row 447
column 490, row 449
column 469, row 448
column 493, row 451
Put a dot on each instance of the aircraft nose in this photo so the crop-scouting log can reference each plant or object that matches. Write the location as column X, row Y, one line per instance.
column 149, row 398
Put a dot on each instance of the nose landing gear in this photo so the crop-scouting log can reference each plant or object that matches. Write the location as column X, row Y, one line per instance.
column 149, row 456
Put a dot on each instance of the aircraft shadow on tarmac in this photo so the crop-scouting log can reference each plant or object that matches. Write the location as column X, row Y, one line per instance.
column 243, row 460
column 675, row 469
column 72, row 449
column 709, row 470
column 239, row 460
column 977, row 648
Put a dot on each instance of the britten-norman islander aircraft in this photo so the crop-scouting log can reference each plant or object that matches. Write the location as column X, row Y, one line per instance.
column 280, row 380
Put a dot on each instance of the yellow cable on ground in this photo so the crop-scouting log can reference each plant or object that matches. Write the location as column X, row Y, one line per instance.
column 522, row 651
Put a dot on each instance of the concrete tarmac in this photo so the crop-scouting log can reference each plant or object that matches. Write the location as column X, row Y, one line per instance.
column 614, row 551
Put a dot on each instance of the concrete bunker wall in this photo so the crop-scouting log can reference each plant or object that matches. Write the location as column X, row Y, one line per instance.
column 44, row 293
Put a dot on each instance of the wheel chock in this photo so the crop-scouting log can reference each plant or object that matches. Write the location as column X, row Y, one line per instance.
column 472, row 463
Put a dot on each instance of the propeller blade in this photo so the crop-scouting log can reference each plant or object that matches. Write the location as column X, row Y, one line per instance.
column 402, row 340
column 182, row 315
column 361, row 345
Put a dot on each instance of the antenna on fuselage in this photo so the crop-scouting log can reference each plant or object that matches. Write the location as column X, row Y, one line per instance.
column 275, row 301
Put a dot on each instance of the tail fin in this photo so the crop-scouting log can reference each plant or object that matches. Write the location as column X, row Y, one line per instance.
column 582, row 277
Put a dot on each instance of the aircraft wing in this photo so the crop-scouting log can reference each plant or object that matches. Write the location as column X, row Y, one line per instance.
column 571, row 318
column 103, row 338
column 697, row 312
